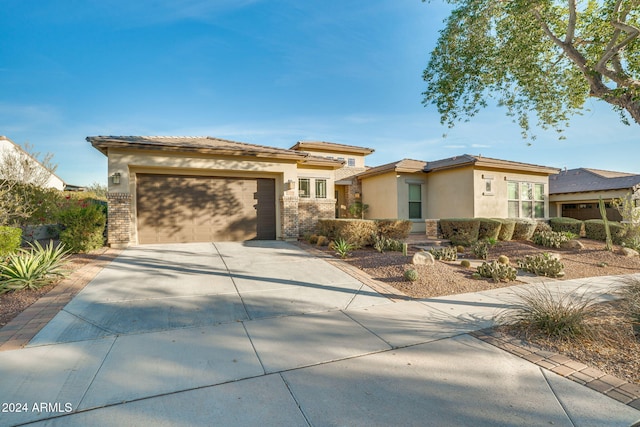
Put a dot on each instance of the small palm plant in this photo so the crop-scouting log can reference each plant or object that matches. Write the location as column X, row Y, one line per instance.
column 33, row 268
column 343, row 248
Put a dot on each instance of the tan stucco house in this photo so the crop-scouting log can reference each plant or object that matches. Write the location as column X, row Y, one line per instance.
column 575, row 193
column 188, row 189
column 462, row 186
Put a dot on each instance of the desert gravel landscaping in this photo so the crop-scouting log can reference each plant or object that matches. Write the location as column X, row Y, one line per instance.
column 615, row 350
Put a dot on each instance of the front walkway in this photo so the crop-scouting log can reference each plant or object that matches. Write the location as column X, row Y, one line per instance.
column 263, row 333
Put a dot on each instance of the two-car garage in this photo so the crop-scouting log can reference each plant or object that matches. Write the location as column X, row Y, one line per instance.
column 182, row 208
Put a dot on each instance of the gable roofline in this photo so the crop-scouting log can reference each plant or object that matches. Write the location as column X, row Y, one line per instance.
column 18, row 147
column 331, row 146
column 400, row 166
column 585, row 180
column 487, row 162
column 208, row 145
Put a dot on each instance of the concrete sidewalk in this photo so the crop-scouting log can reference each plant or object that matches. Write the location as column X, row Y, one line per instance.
column 263, row 333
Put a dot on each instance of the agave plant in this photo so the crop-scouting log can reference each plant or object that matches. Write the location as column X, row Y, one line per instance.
column 343, row 248
column 33, row 268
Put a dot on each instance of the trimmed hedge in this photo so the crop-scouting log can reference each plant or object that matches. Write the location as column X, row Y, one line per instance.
column 566, row 224
column 506, row 230
column 10, row 239
column 489, row 228
column 397, row 229
column 524, row 229
column 358, row 232
column 461, row 231
column 594, row 229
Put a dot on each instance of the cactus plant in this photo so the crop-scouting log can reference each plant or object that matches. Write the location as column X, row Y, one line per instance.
column 445, row 254
column 465, row 263
column 503, row 259
column 497, row 271
column 542, row 265
column 411, row 275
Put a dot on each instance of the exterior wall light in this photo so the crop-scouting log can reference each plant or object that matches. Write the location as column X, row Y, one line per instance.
column 115, row 178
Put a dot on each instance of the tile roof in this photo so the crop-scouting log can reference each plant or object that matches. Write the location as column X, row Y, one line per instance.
column 582, row 180
column 331, row 146
column 404, row 165
column 205, row 144
column 468, row 159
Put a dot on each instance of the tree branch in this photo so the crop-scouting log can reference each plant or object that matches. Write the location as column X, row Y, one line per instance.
column 571, row 26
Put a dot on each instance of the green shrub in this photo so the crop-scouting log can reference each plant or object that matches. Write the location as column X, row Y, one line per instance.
column 461, row 231
column 542, row 226
column 10, row 239
column 411, row 275
column 506, row 229
column 542, row 265
column 465, row 263
column 480, row 249
column 497, row 271
column 594, row 229
column 552, row 239
column 571, row 225
column 524, row 229
column 83, row 227
column 445, row 254
column 34, row 268
column 563, row 315
column 397, row 229
column 489, row 228
column 358, row 232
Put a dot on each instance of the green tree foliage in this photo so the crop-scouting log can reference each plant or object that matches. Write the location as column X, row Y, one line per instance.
column 542, row 56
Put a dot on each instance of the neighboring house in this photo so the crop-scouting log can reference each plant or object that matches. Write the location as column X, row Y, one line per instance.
column 461, row 186
column 30, row 167
column 575, row 192
column 188, row 189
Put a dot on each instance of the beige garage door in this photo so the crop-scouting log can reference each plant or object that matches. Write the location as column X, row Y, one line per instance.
column 176, row 208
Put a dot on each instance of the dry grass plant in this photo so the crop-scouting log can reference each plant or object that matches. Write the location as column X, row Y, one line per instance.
column 538, row 310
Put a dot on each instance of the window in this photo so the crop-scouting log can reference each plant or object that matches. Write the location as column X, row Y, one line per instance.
column 304, row 187
column 525, row 200
column 321, row 188
column 415, row 201
column 351, row 162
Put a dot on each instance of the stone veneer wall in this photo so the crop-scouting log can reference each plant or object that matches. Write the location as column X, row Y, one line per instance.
column 119, row 228
column 310, row 210
column 433, row 229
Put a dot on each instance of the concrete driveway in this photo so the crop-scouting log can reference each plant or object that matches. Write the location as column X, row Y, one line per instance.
column 262, row 333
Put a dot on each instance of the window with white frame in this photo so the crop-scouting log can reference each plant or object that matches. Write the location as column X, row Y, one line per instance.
column 321, row 188
column 525, row 199
column 304, row 187
column 351, row 162
column 415, row 201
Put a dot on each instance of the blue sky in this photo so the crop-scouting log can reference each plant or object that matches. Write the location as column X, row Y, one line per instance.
column 265, row 72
